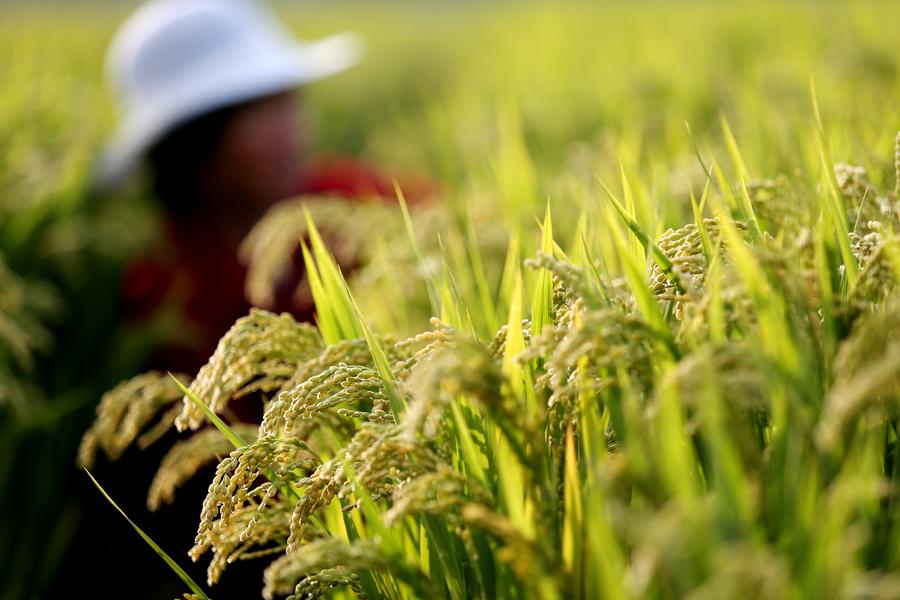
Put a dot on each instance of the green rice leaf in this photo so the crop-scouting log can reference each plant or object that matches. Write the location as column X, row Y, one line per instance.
column 832, row 200
column 430, row 284
column 182, row 574
column 325, row 319
column 736, row 159
column 334, row 288
column 227, row 431
column 542, row 298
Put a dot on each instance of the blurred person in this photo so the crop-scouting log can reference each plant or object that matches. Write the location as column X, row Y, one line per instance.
column 211, row 115
column 209, row 92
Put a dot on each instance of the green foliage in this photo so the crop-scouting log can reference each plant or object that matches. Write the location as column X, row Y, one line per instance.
column 692, row 389
column 623, row 449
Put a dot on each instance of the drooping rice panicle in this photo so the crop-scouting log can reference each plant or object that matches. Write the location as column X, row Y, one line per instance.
column 236, row 483
column 232, row 542
column 186, row 457
column 330, row 562
column 270, row 247
column 125, row 411
column 258, row 354
column 350, row 385
column 866, row 367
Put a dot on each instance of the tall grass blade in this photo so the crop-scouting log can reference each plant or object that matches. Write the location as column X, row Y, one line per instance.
column 182, row 574
column 542, row 298
column 236, row 440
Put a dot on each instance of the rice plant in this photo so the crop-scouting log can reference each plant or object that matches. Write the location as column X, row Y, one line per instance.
column 708, row 414
column 682, row 383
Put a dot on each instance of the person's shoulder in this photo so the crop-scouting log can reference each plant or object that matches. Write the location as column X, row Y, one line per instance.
column 358, row 179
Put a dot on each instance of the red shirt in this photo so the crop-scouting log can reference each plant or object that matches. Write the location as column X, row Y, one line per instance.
column 197, row 269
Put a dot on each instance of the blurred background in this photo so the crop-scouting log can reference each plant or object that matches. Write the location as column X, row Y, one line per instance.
column 488, row 99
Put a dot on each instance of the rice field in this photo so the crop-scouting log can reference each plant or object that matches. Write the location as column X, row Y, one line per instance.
column 643, row 344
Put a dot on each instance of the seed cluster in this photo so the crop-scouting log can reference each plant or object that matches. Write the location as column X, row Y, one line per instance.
column 323, row 565
column 186, row 457
column 867, row 209
column 275, row 241
column 234, row 486
column 684, row 249
column 125, row 411
column 257, row 355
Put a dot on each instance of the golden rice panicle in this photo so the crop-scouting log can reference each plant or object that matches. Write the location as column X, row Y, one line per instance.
column 320, row 488
column 863, row 245
column 348, row 390
column 355, row 387
column 280, row 462
column 463, row 369
column 372, row 442
column 524, row 556
column 186, row 457
column 391, row 461
column 349, row 352
column 684, row 248
column 270, row 247
column 867, row 209
column 571, row 288
column 733, row 299
column 328, row 559
column 382, row 460
column 865, row 368
column 605, row 339
column 125, row 411
column 230, row 543
column 853, row 182
column 319, row 584
column 258, row 354
column 497, row 347
column 873, row 241
column 443, row 492
column 778, row 205
column 878, row 275
column 24, row 307
column 566, row 275
column 420, row 348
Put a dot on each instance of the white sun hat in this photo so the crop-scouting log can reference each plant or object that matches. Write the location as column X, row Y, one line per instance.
column 174, row 60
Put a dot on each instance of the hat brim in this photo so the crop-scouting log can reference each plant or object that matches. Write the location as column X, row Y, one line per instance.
column 291, row 67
